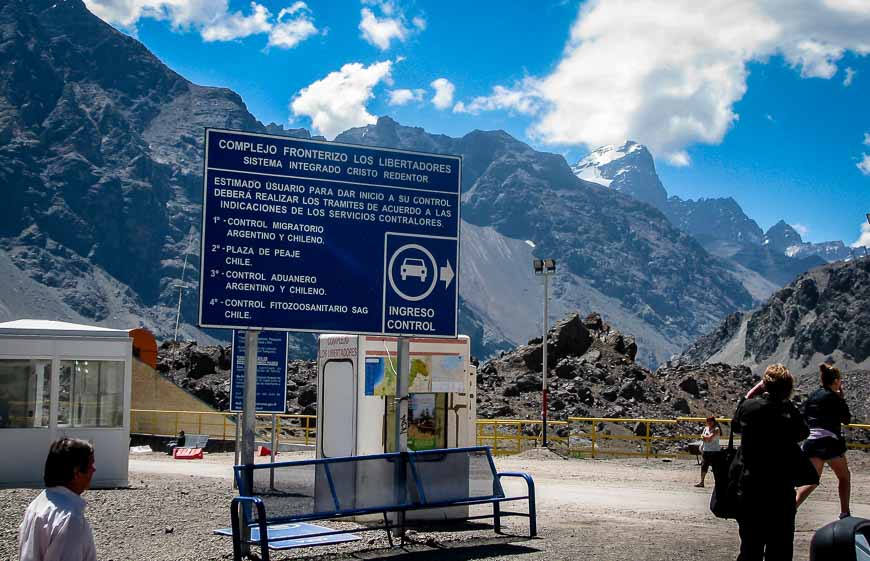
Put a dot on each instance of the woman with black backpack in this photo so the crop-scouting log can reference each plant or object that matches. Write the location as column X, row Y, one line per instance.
column 772, row 465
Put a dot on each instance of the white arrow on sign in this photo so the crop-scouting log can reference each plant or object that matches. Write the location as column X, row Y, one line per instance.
column 446, row 274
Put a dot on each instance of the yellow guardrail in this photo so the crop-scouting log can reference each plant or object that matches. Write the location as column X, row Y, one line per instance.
column 585, row 436
column 222, row 425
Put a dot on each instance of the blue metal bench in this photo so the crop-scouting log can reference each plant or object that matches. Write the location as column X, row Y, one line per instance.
column 390, row 485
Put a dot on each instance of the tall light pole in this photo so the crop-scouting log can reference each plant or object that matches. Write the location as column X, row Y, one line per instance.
column 545, row 268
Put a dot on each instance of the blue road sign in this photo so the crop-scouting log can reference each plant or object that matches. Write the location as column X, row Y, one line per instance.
column 304, row 235
column 271, row 372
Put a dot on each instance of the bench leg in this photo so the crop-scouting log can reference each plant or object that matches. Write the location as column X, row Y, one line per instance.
column 533, row 515
column 496, row 517
column 389, row 529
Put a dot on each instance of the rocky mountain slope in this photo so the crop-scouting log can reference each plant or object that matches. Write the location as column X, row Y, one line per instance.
column 592, row 373
column 823, row 314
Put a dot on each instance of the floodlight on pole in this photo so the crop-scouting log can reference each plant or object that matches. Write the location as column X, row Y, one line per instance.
column 544, row 268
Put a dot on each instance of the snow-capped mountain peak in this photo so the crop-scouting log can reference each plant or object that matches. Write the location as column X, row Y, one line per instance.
column 598, row 167
column 628, row 167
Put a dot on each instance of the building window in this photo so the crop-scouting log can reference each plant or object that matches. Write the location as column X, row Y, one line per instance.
column 91, row 393
column 25, row 386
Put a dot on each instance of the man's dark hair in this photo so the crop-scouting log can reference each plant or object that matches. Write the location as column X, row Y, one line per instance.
column 64, row 456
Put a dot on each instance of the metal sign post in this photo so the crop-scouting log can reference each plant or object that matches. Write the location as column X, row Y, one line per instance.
column 250, row 409
column 403, row 374
column 273, row 449
column 250, row 422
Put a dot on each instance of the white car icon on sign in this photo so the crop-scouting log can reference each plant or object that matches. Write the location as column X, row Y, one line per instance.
column 413, row 268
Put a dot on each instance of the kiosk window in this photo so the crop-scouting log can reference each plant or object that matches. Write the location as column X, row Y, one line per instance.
column 91, row 393
column 427, row 421
column 24, row 393
column 337, row 403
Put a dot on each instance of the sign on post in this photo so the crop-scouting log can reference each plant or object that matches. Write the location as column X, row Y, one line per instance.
column 304, row 235
column 271, row 372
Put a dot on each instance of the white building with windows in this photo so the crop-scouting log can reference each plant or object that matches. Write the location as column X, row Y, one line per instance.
column 62, row 379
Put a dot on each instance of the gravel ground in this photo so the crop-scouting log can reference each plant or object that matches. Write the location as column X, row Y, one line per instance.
column 603, row 510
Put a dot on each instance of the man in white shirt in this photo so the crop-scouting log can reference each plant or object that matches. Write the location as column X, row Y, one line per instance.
column 54, row 526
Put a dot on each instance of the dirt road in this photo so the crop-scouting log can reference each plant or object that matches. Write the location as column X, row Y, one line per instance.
column 592, row 510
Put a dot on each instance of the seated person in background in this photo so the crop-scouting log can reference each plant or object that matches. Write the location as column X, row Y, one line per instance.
column 177, row 443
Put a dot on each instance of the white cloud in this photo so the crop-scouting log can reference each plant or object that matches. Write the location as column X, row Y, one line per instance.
column 237, row 26
column 864, row 164
column 287, row 33
column 670, row 74
column 522, row 99
column 815, row 59
column 800, row 229
column 181, row 14
column 444, row 90
column 850, row 76
column 382, row 31
column 337, row 102
column 867, row 139
column 211, row 18
column 864, row 239
column 405, row 96
column 678, row 159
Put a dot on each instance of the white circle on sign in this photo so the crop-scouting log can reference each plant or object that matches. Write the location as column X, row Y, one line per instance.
column 434, row 272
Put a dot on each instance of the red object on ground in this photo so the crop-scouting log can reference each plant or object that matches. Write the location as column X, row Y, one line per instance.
column 187, row 453
column 263, row 451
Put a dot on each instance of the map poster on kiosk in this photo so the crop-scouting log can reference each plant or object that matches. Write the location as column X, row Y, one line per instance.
column 307, row 235
column 437, row 373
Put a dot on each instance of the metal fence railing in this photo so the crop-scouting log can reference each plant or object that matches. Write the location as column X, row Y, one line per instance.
column 297, row 429
column 599, row 436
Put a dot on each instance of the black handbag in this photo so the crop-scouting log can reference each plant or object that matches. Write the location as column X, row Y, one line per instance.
column 803, row 470
column 727, row 473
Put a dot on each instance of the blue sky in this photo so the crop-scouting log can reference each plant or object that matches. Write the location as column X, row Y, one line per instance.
column 740, row 98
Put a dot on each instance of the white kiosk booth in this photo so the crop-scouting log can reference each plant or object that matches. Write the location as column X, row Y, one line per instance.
column 59, row 380
column 356, row 384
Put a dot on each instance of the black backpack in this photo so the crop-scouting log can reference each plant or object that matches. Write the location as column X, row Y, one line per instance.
column 727, row 472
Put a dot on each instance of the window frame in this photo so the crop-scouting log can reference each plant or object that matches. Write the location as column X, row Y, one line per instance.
column 29, row 358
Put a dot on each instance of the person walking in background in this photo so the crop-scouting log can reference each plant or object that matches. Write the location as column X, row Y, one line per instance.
column 826, row 411
column 771, row 427
column 54, row 526
column 710, row 447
